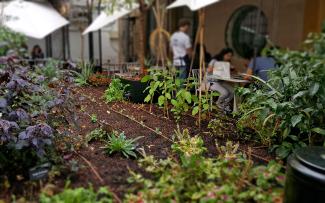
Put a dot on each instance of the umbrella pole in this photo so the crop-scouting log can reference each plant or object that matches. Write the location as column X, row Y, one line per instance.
column 100, row 37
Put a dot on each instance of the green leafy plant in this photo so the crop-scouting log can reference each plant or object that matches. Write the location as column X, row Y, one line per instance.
column 186, row 145
column 93, row 118
column 182, row 103
column 288, row 112
column 230, row 177
column 119, row 143
column 97, row 134
column 87, row 69
column 10, row 40
column 79, row 195
column 115, row 91
column 165, row 84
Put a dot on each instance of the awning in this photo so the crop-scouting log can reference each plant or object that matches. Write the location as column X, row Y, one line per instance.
column 193, row 5
column 36, row 20
column 105, row 19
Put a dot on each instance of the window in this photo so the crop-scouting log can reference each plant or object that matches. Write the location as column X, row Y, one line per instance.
column 242, row 30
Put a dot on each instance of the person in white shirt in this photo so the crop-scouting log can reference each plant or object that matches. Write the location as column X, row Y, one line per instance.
column 181, row 46
column 226, row 90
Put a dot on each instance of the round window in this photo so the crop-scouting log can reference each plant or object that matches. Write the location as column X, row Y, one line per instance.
column 246, row 30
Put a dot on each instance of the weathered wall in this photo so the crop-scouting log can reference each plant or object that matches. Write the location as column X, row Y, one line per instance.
column 285, row 23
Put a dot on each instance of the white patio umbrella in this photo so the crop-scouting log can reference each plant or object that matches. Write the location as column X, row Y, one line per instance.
column 193, row 5
column 36, row 20
column 105, row 19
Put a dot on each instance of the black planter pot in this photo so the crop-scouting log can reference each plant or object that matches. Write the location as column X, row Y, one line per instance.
column 305, row 182
column 135, row 90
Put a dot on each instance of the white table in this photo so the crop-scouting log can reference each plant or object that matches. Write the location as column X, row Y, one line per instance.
column 236, row 82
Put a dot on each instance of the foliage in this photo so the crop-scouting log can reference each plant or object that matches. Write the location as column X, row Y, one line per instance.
column 97, row 134
column 115, row 91
column 288, row 112
column 87, row 70
column 25, row 133
column 186, row 145
column 79, row 195
column 93, row 118
column 171, row 91
column 165, row 84
column 230, row 177
column 11, row 41
column 50, row 72
column 99, row 79
column 119, row 143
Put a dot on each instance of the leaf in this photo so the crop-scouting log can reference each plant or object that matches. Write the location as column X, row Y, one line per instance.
column 147, row 99
column 188, row 97
column 299, row 94
column 319, row 131
column 174, row 102
column 168, row 96
column 283, row 152
column 314, row 89
column 146, row 78
column 161, row 100
column 195, row 110
column 296, row 119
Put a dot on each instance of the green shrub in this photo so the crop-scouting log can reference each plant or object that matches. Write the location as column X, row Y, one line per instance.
column 11, row 41
column 289, row 111
column 115, row 91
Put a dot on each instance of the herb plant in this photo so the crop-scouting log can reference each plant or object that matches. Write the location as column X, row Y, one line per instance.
column 119, row 143
column 115, row 91
column 79, row 195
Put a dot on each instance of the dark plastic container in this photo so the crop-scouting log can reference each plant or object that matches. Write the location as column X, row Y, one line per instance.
column 305, row 182
column 135, row 90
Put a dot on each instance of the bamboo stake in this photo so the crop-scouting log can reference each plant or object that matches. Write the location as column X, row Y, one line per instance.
column 202, row 63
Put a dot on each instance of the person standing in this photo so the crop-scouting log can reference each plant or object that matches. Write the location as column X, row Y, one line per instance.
column 181, row 46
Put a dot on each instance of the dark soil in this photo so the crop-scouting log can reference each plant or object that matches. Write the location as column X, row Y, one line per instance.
column 134, row 120
column 125, row 117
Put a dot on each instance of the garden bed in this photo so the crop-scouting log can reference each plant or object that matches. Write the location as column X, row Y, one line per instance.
column 135, row 120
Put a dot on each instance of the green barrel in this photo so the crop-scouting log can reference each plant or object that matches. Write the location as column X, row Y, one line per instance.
column 305, row 182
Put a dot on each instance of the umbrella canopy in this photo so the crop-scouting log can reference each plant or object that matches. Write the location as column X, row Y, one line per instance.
column 194, row 5
column 104, row 19
column 36, row 20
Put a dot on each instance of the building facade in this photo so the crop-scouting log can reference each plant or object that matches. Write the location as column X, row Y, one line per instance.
column 234, row 23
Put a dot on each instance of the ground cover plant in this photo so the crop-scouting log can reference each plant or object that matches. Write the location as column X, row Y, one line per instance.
column 288, row 112
column 229, row 177
column 78, row 195
column 115, row 92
